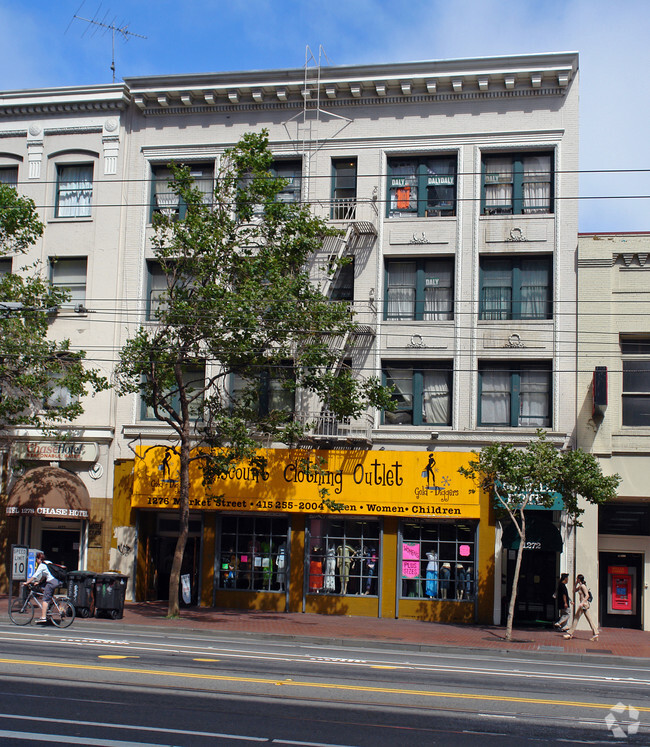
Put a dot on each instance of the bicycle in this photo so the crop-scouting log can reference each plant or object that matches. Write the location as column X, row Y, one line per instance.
column 60, row 611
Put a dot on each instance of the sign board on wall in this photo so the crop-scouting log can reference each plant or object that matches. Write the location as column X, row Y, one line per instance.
column 55, row 451
column 406, row 483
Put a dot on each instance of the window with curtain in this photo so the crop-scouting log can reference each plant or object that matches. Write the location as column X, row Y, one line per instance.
column 516, row 184
column 635, row 352
column 515, row 394
column 515, row 288
column 9, row 175
column 74, row 190
column 422, row 393
column 166, row 202
column 420, row 290
column 194, row 381
column 70, row 273
column 421, row 187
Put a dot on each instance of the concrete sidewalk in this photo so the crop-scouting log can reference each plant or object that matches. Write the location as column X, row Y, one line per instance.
column 613, row 642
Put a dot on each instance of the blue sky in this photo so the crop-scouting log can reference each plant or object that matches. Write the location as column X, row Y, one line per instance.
column 41, row 45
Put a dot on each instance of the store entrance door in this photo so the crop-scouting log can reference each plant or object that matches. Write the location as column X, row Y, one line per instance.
column 537, row 581
column 163, row 557
column 61, row 546
column 621, row 589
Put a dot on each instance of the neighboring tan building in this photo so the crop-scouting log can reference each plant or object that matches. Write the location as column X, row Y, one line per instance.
column 454, row 183
column 613, row 363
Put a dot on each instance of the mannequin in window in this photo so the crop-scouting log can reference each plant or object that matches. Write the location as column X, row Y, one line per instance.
column 370, row 561
column 345, row 555
column 445, row 574
column 431, row 588
column 468, row 582
column 330, row 570
column 281, row 566
column 316, row 571
column 460, row 581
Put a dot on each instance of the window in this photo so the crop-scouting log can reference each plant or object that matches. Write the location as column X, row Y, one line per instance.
column 156, row 287
column 5, row 266
column 517, row 183
column 635, row 350
column 343, row 284
column 438, row 560
column 422, row 393
column 74, row 191
column 71, row 275
column 344, row 188
column 60, row 395
column 343, row 556
column 254, row 553
column 266, row 394
column 194, row 381
column 292, row 172
column 9, row 175
column 419, row 290
column 421, row 187
column 515, row 395
column 515, row 288
column 166, row 202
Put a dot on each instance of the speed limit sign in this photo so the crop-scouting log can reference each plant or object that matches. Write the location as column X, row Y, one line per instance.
column 19, row 557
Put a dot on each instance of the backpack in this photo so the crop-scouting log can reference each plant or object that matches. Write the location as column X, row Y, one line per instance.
column 590, row 598
column 58, row 571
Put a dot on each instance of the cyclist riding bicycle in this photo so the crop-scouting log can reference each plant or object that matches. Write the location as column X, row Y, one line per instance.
column 43, row 574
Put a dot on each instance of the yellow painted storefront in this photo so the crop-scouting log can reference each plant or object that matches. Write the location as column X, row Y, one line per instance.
column 346, row 532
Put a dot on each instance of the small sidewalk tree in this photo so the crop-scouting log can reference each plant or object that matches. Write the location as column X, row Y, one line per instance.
column 517, row 477
column 41, row 379
column 238, row 317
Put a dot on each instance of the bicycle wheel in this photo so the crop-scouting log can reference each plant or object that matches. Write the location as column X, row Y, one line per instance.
column 61, row 613
column 21, row 611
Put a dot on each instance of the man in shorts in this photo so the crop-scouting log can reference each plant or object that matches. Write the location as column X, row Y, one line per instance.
column 43, row 574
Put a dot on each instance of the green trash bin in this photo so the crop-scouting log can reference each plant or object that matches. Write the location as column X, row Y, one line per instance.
column 81, row 592
column 110, row 591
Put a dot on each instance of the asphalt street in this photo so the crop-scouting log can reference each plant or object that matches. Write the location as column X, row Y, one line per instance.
column 94, row 686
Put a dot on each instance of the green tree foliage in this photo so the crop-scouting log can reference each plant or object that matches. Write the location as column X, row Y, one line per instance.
column 517, row 477
column 41, row 380
column 239, row 302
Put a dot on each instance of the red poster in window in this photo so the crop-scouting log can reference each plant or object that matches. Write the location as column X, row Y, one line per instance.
column 621, row 592
column 403, row 195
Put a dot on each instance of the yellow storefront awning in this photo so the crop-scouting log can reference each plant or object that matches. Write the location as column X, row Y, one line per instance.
column 49, row 491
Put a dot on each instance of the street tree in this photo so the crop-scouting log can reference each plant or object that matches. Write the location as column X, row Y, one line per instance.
column 240, row 328
column 42, row 380
column 537, row 474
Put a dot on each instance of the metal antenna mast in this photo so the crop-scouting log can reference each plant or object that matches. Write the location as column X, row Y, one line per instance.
column 113, row 27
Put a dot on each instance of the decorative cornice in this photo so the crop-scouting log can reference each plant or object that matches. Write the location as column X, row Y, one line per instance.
column 14, row 133
column 52, row 101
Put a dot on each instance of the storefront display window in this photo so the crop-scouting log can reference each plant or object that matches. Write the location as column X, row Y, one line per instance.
column 343, row 556
column 254, row 554
column 437, row 560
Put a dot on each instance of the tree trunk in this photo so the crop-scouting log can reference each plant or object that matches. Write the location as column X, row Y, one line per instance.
column 515, row 580
column 173, row 609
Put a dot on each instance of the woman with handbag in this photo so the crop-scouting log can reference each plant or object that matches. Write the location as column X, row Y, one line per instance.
column 582, row 608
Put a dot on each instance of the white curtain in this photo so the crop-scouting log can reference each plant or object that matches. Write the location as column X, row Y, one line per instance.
column 75, row 191
column 438, row 305
column 496, row 291
column 537, row 184
column 401, row 290
column 495, row 398
column 534, row 289
column 436, row 399
column 498, row 185
column 165, row 200
column 534, row 399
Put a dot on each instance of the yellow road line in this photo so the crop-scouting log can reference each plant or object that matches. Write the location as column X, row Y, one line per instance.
column 317, row 685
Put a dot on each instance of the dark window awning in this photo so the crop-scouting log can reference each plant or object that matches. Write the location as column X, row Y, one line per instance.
column 49, row 491
column 541, row 534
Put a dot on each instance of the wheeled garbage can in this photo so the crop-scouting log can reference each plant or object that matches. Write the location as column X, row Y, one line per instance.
column 81, row 587
column 110, row 590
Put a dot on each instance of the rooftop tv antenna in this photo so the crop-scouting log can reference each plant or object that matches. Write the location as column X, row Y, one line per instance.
column 120, row 28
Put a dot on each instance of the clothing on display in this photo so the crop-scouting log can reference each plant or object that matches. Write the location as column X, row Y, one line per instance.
column 431, row 587
column 445, row 575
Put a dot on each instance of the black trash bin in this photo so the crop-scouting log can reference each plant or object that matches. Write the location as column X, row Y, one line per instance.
column 110, row 590
column 81, row 585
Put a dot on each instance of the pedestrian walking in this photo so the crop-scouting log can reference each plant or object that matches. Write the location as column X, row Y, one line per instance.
column 563, row 603
column 584, row 604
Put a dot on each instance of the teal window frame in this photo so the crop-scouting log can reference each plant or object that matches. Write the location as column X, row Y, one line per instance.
column 420, row 287
column 421, row 179
column 515, row 268
column 161, row 173
column 190, row 374
column 516, row 178
column 265, row 391
column 344, row 188
column 416, row 408
column 513, row 386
